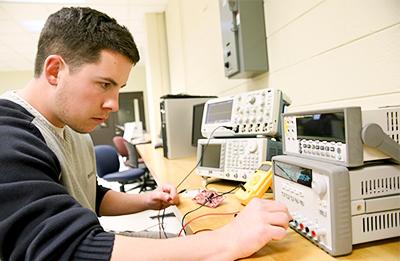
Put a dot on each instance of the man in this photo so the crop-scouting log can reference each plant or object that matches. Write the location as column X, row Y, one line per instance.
column 48, row 190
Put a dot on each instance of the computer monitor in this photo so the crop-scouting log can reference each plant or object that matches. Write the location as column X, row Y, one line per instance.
column 196, row 123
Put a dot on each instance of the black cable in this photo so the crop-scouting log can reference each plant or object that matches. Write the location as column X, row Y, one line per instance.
column 159, row 224
column 223, row 193
column 209, row 183
column 230, row 191
column 191, row 211
column 201, row 157
column 162, row 223
column 187, row 175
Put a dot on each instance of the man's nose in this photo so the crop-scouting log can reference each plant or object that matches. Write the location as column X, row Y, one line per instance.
column 111, row 103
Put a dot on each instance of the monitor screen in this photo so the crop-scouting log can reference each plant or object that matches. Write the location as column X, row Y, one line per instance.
column 196, row 123
column 211, row 155
column 325, row 126
column 219, row 112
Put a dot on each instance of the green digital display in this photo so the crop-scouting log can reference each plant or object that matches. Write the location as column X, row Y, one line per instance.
column 293, row 173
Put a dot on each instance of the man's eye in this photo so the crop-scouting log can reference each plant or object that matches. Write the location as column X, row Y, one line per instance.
column 105, row 85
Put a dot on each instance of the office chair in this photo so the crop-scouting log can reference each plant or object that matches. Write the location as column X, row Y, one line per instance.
column 120, row 145
column 107, row 164
column 121, row 148
column 148, row 182
column 133, row 156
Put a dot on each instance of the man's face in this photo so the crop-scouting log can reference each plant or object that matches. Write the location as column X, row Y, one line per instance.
column 85, row 97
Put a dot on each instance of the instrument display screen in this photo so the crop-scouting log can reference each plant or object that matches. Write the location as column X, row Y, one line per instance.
column 219, row 112
column 211, row 156
column 293, row 173
column 264, row 167
column 322, row 126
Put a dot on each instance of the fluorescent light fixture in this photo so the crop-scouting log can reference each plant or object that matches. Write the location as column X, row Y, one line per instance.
column 33, row 26
column 44, row 1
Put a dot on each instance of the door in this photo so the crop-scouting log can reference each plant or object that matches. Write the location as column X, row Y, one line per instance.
column 131, row 108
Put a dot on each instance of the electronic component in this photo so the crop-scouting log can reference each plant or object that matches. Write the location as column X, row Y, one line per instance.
column 257, row 184
column 337, row 135
column 243, row 38
column 208, row 198
column 176, row 124
column 375, row 202
column 246, row 114
column 133, row 130
column 234, row 158
column 196, row 123
column 336, row 208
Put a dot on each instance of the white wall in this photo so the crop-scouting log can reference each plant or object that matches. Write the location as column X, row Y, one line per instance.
column 322, row 53
column 157, row 73
column 177, row 61
column 14, row 80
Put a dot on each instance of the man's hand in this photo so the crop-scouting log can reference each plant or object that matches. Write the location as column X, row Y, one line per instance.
column 258, row 223
column 162, row 197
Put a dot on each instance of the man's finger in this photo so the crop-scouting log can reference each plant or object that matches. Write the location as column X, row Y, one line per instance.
column 280, row 219
column 277, row 233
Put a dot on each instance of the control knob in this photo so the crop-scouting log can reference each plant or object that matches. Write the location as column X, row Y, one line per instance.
column 252, row 147
column 252, row 100
column 320, row 233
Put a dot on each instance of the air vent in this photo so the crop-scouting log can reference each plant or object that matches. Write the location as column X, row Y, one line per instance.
column 395, row 137
column 392, row 125
column 380, row 185
column 379, row 222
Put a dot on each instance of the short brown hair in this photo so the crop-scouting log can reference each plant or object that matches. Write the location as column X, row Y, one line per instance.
column 78, row 34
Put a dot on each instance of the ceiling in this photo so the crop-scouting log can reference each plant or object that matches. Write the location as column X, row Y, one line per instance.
column 21, row 21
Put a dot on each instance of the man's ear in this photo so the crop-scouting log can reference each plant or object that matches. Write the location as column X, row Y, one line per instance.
column 52, row 66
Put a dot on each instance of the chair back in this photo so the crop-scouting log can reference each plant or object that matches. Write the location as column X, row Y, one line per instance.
column 106, row 160
column 132, row 160
column 120, row 146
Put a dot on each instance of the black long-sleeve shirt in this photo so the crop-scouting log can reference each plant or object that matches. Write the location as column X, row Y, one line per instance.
column 39, row 220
